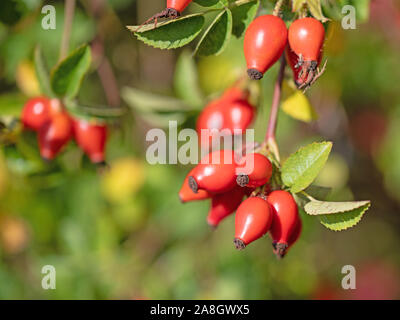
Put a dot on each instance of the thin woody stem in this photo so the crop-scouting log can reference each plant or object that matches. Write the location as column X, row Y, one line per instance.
column 68, row 19
column 270, row 135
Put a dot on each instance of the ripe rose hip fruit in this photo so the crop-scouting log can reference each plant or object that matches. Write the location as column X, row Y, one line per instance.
column 91, row 138
column 300, row 75
column 228, row 113
column 260, row 174
column 37, row 111
column 264, row 43
column 224, row 204
column 215, row 174
column 54, row 134
column 186, row 194
column 292, row 239
column 253, row 219
column 306, row 37
column 235, row 93
column 285, row 219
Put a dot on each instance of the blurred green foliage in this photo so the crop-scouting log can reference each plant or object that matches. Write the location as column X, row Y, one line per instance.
column 124, row 234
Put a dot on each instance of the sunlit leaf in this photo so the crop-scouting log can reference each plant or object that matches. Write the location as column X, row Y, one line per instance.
column 302, row 167
column 170, row 34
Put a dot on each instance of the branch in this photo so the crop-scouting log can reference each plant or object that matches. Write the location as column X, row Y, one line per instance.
column 68, row 19
column 275, row 103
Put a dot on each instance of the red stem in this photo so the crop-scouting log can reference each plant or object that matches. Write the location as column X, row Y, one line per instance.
column 275, row 103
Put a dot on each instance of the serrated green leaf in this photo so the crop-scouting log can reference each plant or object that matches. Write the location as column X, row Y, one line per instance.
column 149, row 102
column 302, row 167
column 67, row 76
column 242, row 16
column 42, row 73
column 217, row 36
column 324, row 207
column 338, row 216
column 170, row 34
column 186, row 80
column 207, row 3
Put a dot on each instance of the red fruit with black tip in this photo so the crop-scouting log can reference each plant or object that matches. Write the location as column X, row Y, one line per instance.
column 253, row 219
column 257, row 170
column 264, row 43
column 224, row 204
column 186, row 194
column 215, row 174
column 54, row 134
column 91, row 138
column 286, row 217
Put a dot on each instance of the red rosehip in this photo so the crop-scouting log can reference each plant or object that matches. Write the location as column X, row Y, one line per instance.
column 292, row 239
column 228, row 113
column 186, row 193
column 260, row 171
column 224, row 204
column 286, row 217
column 215, row 173
column 39, row 110
column 306, row 37
column 293, row 60
column 253, row 219
column 264, row 43
column 235, row 93
column 91, row 138
column 54, row 134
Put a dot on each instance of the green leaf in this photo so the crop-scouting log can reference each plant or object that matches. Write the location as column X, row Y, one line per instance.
column 316, row 10
column 206, row 3
column 11, row 104
column 186, row 80
column 170, row 34
column 338, row 216
column 242, row 16
column 67, row 76
column 100, row 113
column 217, row 36
column 42, row 73
column 313, row 5
column 297, row 5
column 149, row 102
column 302, row 167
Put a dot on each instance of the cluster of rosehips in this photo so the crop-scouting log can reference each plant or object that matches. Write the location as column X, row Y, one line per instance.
column 221, row 176
column 267, row 37
column 56, row 127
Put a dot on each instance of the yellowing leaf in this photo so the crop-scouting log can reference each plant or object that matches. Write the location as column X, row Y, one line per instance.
column 297, row 105
column 124, row 179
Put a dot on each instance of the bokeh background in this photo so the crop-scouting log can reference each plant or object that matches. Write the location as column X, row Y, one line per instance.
column 124, row 233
